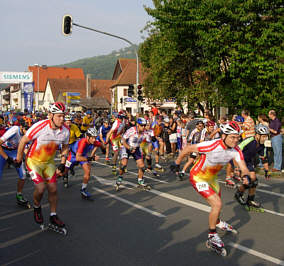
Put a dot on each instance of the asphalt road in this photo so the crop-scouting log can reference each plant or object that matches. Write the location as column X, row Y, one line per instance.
column 164, row 226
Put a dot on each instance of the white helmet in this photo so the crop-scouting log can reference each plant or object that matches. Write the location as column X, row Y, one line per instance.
column 261, row 130
column 230, row 128
column 68, row 117
column 57, row 108
column 92, row 132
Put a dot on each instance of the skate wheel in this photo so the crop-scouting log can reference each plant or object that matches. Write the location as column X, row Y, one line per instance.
column 28, row 206
column 116, row 188
column 223, row 252
column 42, row 227
column 234, row 231
column 207, row 244
column 64, row 231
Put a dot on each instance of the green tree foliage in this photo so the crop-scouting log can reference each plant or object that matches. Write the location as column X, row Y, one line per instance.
column 227, row 52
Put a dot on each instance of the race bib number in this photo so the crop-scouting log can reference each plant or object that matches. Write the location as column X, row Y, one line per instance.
column 202, row 186
column 68, row 164
column 33, row 175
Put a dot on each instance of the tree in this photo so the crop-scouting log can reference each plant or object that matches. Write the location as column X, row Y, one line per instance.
column 225, row 52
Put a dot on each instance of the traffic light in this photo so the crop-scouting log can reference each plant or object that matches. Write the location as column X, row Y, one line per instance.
column 67, row 25
column 140, row 92
column 130, row 90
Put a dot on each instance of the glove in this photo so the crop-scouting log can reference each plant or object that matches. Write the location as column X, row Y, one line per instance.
column 61, row 167
column 175, row 167
column 89, row 158
column 9, row 160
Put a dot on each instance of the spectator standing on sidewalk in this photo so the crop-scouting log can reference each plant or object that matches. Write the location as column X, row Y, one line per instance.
column 248, row 125
column 276, row 140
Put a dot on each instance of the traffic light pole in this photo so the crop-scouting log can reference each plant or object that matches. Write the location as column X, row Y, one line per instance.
column 121, row 38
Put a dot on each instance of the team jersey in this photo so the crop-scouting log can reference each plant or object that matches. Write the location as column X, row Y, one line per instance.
column 83, row 147
column 117, row 128
column 45, row 140
column 149, row 134
column 214, row 155
column 103, row 131
column 74, row 133
column 134, row 139
column 11, row 138
column 250, row 148
column 86, row 121
column 196, row 136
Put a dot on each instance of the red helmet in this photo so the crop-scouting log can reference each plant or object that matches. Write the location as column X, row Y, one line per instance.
column 210, row 123
column 231, row 127
column 57, row 108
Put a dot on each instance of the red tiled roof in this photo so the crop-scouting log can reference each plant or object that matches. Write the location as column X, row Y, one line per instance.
column 58, row 86
column 101, row 88
column 45, row 73
column 128, row 72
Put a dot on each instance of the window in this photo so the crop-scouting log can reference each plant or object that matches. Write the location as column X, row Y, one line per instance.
column 125, row 92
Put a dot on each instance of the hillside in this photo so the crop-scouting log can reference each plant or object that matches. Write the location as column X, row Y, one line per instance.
column 102, row 66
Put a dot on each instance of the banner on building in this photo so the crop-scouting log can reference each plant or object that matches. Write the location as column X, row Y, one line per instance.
column 16, row 77
column 28, row 90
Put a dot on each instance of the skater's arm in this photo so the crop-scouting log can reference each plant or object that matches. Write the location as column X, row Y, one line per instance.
column 64, row 153
column 245, row 172
column 185, row 152
column 23, row 142
column 2, row 153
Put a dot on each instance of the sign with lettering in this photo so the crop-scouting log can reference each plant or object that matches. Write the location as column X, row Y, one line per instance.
column 16, row 77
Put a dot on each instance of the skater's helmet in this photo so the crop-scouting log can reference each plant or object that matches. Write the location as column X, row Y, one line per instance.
column 261, row 130
column 121, row 115
column 240, row 119
column 92, row 132
column 141, row 121
column 210, row 123
column 57, row 108
column 230, row 128
column 68, row 118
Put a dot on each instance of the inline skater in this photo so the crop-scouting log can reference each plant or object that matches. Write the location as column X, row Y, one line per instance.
column 196, row 136
column 9, row 142
column 203, row 175
column 79, row 154
column 114, row 135
column 102, row 137
column 87, row 121
column 146, row 148
column 250, row 147
column 131, row 141
column 46, row 136
column 75, row 134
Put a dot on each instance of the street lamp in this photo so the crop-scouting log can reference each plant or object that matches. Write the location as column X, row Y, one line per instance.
column 67, row 30
column 37, row 101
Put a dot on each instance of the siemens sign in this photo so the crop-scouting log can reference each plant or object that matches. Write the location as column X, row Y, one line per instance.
column 16, row 77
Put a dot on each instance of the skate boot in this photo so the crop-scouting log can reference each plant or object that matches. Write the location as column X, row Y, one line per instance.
column 38, row 217
column 253, row 205
column 224, row 226
column 239, row 196
column 215, row 243
column 57, row 225
column 237, row 178
column 114, row 169
column 107, row 160
column 85, row 194
column 180, row 176
column 118, row 183
column 65, row 181
column 22, row 201
column 267, row 174
column 159, row 168
column 154, row 172
column 143, row 185
column 230, row 183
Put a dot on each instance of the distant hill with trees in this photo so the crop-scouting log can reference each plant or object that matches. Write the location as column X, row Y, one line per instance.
column 102, row 66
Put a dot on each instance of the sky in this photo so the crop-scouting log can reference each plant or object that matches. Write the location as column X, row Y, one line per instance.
column 31, row 30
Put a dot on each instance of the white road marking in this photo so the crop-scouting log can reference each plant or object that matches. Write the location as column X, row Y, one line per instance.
column 256, row 253
column 21, row 212
column 130, row 203
column 205, row 208
column 21, row 258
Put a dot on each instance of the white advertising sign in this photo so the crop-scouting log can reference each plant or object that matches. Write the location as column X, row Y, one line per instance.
column 16, row 77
